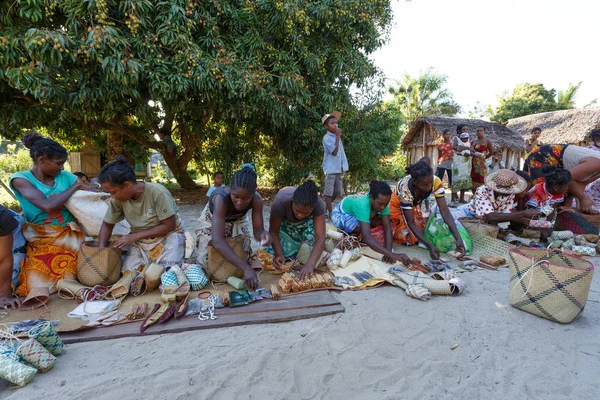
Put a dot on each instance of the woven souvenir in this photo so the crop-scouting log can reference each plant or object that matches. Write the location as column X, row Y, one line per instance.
column 304, row 253
column 169, row 278
column 329, row 244
column 584, row 251
column 549, row 283
column 562, row 235
column 574, row 222
column 152, row 276
column 98, row 265
column 15, row 372
column 196, row 276
column 35, row 354
column 70, row 289
column 418, row 292
column 475, row 228
column 121, row 288
column 45, row 333
column 181, row 278
column 218, row 268
column 334, row 259
column 582, row 241
column 540, row 223
column 438, row 287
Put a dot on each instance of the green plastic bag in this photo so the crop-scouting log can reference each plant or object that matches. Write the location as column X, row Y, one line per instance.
column 439, row 234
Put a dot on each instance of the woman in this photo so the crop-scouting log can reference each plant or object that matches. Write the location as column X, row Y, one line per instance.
column 360, row 213
column 461, row 165
column 52, row 244
column 582, row 163
column 406, row 213
column 9, row 228
column 482, row 150
column 225, row 216
column 592, row 190
column 298, row 216
column 157, row 232
column 552, row 191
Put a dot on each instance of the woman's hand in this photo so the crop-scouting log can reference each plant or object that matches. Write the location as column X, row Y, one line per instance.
column 306, row 270
column 403, row 258
column 460, row 248
column 9, row 303
column 125, row 241
column 250, row 278
column 585, row 205
column 434, row 253
column 278, row 261
column 388, row 259
column 265, row 239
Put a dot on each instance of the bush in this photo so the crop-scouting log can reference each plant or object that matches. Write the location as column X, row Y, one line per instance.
column 14, row 161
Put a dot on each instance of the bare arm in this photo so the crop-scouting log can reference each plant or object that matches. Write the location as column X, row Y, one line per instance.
column 387, row 230
column 338, row 134
column 318, row 247
column 37, row 198
column 258, row 226
column 274, row 226
column 166, row 226
column 529, row 146
column 6, row 270
column 365, row 229
column 105, row 231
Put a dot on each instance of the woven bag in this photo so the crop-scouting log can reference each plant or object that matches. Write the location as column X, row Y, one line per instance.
column 575, row 222
column 475, row 228
column 218, row 268
column 549, row 283
column 98, row 265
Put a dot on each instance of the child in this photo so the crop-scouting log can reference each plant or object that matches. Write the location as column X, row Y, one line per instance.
column 551, row 192
column 218, row 182
column 82, row 178
column 494, row 164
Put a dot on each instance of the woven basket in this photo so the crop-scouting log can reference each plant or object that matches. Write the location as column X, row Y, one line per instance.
column 98, row 265
column 549, row 283
column 218, row 268
column 476, row 228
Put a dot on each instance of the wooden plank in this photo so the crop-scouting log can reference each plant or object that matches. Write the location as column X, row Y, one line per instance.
column 302, row 306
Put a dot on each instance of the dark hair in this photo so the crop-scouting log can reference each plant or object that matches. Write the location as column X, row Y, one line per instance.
column 218, row 173
column 116, row 173
column 419, row 170
column 81, row 175
column 445, row 131
column 524, row 175
column 307, row 194
column 554, row 175
column 377, row 188
column 40, row 146
column 245, row 178
column 459, row 128
column 481, row 127
column 536, row 129
column 595, row 134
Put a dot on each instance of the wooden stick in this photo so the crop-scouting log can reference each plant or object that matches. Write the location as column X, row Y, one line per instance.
column 8, row 190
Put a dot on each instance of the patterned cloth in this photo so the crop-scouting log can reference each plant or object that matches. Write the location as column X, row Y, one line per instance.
column 461, row 171
column 538, row 197
column 445, row 152
column 348, row 222
column 164, row 250
column 238, row 227
column 292, row 235
column 548, row 154
column 484, row 202
column 539, row 143
column 479, row 169
column 592, row 190
column 51, row 256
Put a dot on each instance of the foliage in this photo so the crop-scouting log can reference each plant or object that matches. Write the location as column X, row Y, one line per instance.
column 186, row 68
column 14, row 161
column 528, row 98
column 424, row 95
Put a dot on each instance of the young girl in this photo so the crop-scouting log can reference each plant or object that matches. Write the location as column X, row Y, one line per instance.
column 461, row 166
column 157, row 232
column 225, row 216
column 551, row 192
column 298, row 216
column 360, row 213
column 42, row 192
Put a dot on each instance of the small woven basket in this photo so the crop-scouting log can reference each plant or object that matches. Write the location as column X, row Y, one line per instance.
column 218, row 268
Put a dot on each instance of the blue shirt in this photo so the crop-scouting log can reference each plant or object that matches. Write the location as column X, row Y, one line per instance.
column 333, row 164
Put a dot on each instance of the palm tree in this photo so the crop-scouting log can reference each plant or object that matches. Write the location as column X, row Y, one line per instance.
column 423, row 95
column 566, row 100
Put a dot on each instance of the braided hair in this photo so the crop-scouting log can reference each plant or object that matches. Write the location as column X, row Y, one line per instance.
column 40, row 146
column 245, row 178
column 419, row 170
column 307, row 194
column 556, row 176
column 595, row 134
column 377, row 188
column 116, row 173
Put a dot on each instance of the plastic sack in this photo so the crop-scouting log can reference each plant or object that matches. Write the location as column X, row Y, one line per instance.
column 439, row 234
column 89, row 209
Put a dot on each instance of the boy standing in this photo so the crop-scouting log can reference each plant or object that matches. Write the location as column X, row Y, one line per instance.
column 494, row 164
column 217, row 182
column 335, row 162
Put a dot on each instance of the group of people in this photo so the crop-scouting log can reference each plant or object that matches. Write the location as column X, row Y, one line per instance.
column 40, row 247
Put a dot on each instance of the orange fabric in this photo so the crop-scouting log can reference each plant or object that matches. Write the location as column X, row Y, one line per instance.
column 401, row 233
column 51, row 256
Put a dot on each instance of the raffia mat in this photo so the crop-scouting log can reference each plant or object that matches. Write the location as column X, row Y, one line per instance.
column 58, row 309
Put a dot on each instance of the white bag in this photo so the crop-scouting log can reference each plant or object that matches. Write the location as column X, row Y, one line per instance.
column 89, row 209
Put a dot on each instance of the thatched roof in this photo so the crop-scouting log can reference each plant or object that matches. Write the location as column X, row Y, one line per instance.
column 499, row 134
column 567, row 126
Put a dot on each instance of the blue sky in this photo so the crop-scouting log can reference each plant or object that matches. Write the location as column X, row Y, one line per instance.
column 486, row 47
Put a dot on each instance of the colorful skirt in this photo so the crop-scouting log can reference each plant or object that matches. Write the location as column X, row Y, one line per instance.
column 164, row 250
column 348, row 222
column 478, row 172
column 461, row 173
column 548, row 154
column 51, row 256
column 293, row 235
column 402, row 233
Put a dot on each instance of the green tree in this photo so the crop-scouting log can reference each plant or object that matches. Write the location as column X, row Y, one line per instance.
column 525, row 99
column 424, row 94
column 566, row 99
column 138, row 69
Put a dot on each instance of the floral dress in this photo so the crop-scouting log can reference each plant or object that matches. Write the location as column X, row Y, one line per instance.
column 461, row 170
column 479, row 169
column 548, row 154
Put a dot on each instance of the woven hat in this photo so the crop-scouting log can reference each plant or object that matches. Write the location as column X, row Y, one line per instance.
column 335, row 114
column 505, row 181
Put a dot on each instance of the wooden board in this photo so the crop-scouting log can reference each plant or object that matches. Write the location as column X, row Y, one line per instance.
column 290, row 308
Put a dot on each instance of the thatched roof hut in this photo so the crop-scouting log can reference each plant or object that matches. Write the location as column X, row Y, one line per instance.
column 425, row 134
column 566, row 126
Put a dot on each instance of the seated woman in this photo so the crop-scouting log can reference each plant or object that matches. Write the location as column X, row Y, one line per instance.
column 11, row 239
column 406, row 213
column 52, row 244
column 521, row 198
column 225, row 216
column 157, row 232
column 298, row 216
column 360, row 213
column 494, row 201
column 582, row 163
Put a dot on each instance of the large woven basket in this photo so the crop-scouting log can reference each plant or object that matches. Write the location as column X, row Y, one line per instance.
column 551, row 284
column 218, row 268
column 476, row 228
column 98, row 265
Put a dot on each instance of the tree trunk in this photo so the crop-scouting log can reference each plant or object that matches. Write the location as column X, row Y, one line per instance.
column 114, row 145
column 178, row 167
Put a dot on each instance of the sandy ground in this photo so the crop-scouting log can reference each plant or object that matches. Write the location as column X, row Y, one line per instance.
column 385, row 346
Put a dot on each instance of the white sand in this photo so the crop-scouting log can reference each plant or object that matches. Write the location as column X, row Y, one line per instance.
column 385, row 346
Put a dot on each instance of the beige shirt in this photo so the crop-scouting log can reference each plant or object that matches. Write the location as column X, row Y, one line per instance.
column 156, row 204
